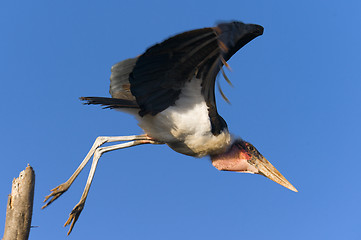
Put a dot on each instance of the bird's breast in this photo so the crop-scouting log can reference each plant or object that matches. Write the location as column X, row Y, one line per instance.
column 186, row 126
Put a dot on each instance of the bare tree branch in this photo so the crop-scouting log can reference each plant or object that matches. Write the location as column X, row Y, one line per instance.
column 20, row 206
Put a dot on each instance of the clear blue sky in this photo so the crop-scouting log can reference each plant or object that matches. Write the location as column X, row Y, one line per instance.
column 297, row 98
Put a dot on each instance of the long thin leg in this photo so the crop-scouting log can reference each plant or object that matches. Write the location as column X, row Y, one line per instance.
column 74, row 215
column 59, row 190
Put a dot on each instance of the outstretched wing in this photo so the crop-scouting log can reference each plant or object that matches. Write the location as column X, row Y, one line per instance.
column 160, row 73
column 153, row 81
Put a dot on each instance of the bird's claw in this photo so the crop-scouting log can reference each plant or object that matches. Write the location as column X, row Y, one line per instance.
column 55, row 194
column 74, row 215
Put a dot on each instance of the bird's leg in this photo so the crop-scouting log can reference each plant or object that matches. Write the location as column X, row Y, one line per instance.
column 59, row 190
column 74, row 215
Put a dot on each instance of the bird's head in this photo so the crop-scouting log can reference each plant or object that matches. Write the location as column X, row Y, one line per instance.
column 244, row 157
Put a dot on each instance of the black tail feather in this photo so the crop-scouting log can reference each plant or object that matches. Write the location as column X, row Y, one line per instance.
column 110, row 102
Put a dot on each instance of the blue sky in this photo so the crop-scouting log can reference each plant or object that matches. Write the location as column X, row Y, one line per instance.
column 296, row 98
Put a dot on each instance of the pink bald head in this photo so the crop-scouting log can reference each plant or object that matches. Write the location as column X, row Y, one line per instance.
column 244, row 157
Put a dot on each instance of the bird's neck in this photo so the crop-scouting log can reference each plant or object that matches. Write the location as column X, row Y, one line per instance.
column 228, row 154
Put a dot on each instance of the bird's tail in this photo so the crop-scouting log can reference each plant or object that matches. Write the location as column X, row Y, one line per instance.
column 110, row 102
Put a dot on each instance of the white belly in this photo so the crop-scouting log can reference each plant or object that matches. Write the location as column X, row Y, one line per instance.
column 186, row 127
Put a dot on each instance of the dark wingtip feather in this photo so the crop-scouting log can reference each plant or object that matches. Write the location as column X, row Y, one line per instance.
column 234, row 35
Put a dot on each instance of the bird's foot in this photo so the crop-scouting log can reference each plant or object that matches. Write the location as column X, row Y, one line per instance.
column 55, row 193
column 74, row 215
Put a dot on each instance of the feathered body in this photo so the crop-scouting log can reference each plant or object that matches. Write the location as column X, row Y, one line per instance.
column 184, row 126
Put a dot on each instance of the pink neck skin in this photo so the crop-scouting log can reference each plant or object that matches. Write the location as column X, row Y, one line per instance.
column 234, row 159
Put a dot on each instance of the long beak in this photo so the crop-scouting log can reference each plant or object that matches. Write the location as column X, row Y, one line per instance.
column 266, row 169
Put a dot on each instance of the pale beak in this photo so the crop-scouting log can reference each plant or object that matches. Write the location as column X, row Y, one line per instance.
column 266, row 169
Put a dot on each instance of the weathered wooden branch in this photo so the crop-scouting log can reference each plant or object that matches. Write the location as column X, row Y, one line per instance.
column 20, row 206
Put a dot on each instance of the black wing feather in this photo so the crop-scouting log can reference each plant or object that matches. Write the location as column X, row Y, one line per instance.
column 157, row 76
column 169, row 65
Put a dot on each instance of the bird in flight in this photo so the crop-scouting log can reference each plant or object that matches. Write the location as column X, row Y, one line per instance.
column 170, row 91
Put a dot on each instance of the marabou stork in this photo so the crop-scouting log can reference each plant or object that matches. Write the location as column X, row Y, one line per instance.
column 170, row 91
